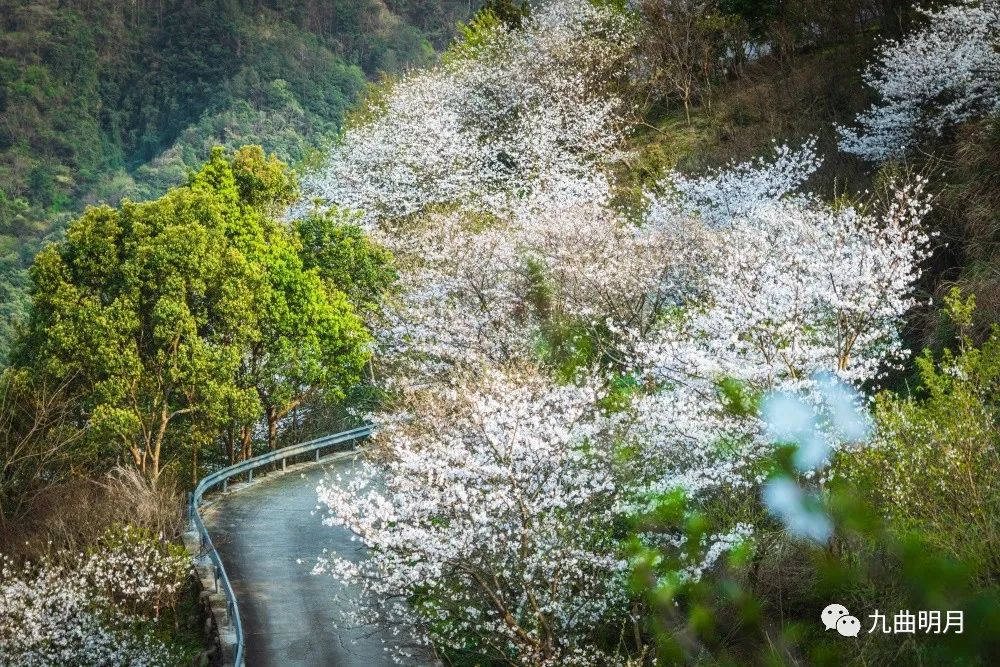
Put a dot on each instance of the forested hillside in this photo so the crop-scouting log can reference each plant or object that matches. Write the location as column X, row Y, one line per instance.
column 677, row 321
column 103, row 99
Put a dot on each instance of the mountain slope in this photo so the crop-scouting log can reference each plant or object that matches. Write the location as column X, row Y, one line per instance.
column 102, row 99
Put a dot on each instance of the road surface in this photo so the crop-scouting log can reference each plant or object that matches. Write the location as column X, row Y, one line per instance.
column 269, row 536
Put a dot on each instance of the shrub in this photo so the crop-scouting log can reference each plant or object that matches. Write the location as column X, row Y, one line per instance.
column 934, row 465
column 99, row 608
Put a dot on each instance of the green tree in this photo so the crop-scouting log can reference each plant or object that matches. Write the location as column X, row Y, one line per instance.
column 334, row 245
column 308, row 338
column 145, row 307
column 177, row 316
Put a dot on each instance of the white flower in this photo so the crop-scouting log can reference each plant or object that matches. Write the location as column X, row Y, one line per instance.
column 942, row 74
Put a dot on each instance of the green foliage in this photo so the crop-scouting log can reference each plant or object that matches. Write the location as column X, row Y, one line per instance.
column 337, row 248
column 738, row 399
column 146, row 306
column 934, row 467
column 763, row 603
column 492, row 18
column 176, row 316
column 568, row 346
column 960, row 311
column 478, row 33
column 914, row 516
column 621, row 391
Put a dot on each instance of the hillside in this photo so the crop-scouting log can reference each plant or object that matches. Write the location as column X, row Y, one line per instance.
column 102, row 100
column 806, row 90
column 696, row 348
column 673, row 327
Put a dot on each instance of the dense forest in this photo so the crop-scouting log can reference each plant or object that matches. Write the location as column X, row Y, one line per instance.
column 678, row 320
column 101, row 101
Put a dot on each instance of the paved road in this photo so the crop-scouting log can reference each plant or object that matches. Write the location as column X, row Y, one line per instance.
column 262, row 532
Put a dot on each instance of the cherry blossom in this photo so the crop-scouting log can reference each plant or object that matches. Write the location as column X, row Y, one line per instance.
column 492, row 122
column 494, row 510
column 604, row 268
column 795, row 286
column 77, row 609
column 723, row 196
column 141, row 573
column 944, row 73
column 469, row 171
column 459, row 300
column 793, row 291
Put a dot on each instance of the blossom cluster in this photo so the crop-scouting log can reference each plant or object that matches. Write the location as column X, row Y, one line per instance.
column 139, row 572
column 737, row 192
column 942, row 74
column 494, row 510
column 490, row 514
column 510, row 114
column 793, row 291
column 78, row 609
column 792, row 285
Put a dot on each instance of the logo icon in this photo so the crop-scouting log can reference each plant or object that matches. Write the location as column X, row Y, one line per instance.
column 832, row 614
column 848, row 626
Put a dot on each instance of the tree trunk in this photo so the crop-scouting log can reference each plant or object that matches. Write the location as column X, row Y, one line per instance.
column 246, row 450
column 272, row 428
column 161, row 433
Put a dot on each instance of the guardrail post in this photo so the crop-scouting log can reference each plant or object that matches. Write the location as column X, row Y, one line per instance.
column 317, row 455
column 283, row 464
column 250, row 475
column 225, row 485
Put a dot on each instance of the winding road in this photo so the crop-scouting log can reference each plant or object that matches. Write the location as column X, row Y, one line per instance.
column 269, row 535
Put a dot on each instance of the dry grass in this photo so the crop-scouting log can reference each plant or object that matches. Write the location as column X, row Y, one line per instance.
column 774, row 100
column 157, row 506
column 74, row 514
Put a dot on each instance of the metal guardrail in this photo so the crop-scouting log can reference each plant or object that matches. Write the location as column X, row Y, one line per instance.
column 247, row 467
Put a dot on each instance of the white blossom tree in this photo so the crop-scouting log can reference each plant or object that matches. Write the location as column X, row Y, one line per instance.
column 606, row 269
column 460, row 302
column 942, row 74
column 467, row 171
column 793, row 285
column 492, row 520
column 794, row 291
column 500, row 117
column 86, row 610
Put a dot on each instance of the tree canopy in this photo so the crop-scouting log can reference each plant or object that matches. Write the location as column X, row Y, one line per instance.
column 181, row 314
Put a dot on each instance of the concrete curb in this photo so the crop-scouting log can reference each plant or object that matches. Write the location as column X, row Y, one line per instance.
column 213, row 604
